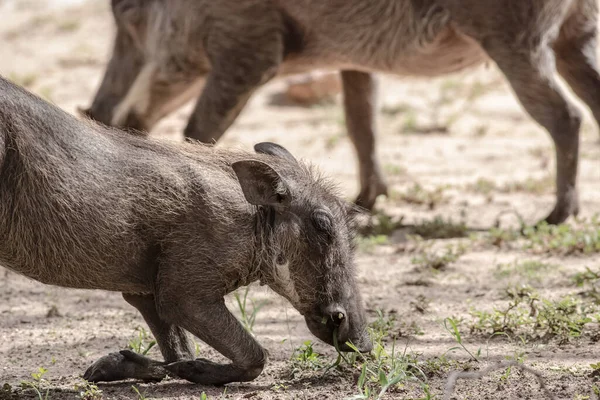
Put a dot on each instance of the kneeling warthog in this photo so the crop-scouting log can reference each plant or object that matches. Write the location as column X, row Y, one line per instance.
column 174, row 227
column 165, row 51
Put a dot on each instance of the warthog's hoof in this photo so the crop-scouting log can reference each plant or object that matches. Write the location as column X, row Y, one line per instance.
column 125, row 365
column 564, row 209
column 368, row 195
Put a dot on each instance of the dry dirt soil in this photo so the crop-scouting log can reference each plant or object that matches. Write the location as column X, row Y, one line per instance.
column 459, row 148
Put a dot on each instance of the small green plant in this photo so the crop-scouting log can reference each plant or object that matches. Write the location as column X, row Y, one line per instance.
column 248, row 317
column 440, row 228
column 451, row 326
column 367, row 244
column 69, row 25
column 420, row 303
column 418, row 195
column 88, row 391
column 384, row 370
column 143, row 342
column 564, row 239
column 383, row 326
column 394, row 169
column 332, row 141
column 530, row 185
column 37, row 384
column 393, row 110
column 196, row 348
column 382, row 224
column 581, row 237
column 140, row 395
column 437, row 366
column 501, row 237
column 47, row 93
column 410, row 329
column 478, row 89
column 564, row 318
column 482, row 186
column 279, row 387
column 305, row 358
column 532, row 270
column 589, row 281
column 528, row 316
column 25, row 80
column 410, row 122
column 431, row 259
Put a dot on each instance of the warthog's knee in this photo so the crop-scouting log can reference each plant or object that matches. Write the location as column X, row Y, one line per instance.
column 253, row 368
column 252, row 372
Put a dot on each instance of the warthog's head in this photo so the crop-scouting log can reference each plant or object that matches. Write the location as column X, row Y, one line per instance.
column 306, row 245
column 136, row 90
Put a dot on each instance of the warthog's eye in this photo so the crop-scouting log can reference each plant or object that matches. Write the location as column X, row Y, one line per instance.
column 323, row 221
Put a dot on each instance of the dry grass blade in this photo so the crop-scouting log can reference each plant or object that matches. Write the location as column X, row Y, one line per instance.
column 454, row 376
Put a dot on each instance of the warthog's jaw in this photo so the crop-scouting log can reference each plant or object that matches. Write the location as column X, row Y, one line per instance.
column 323, row 321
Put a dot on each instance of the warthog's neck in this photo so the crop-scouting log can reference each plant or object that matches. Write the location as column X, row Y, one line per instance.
column 263, row 228
column 265, row 268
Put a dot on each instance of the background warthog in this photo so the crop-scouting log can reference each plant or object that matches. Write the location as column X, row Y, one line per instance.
column 174, row 228
column 164, row 48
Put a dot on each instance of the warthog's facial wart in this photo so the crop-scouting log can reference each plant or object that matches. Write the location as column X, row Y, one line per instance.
column 284, row 280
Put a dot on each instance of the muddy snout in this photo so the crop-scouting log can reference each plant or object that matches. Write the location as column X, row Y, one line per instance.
column 335, row 320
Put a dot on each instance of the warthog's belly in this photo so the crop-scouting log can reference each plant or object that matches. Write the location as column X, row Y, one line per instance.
column 448, row 52
column 98, row 276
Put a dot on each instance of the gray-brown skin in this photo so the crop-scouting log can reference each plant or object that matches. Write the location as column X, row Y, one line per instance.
column 165, row 52
column 174, row 227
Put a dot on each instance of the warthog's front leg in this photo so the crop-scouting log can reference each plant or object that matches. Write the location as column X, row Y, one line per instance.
column 125, row 364
column 531, row 73
column 245, row 50
column 217, row 327
column 172, row 341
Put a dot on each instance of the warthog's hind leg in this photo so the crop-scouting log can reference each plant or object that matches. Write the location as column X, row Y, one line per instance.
column 531, row 72
column 360, row 98
column 576, row 57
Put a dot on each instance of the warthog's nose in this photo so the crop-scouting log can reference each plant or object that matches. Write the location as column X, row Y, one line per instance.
column 337, row 315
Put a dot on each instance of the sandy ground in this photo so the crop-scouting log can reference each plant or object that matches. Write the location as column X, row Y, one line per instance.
column 59, row 52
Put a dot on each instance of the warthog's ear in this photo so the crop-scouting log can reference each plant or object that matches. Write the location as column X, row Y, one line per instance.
column 261, row 184
column 274, row 149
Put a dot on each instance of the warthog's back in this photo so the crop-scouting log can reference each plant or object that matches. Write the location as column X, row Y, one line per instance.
column 77, row 196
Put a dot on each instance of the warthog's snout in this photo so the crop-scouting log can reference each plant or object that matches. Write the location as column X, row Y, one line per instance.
column 334, row 320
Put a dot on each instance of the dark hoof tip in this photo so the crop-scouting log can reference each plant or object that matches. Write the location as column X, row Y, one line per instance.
column 90, row 376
